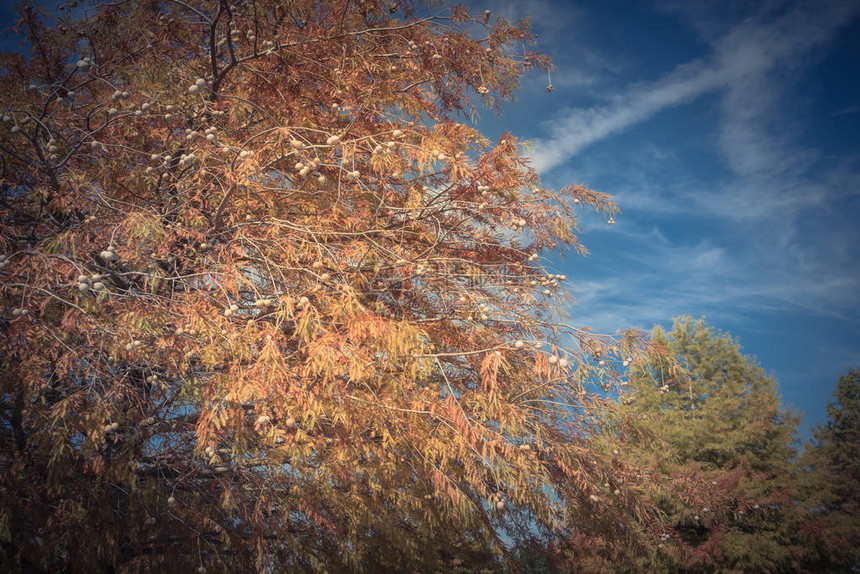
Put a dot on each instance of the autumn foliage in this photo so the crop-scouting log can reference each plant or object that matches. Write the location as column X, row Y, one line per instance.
column 271, row 301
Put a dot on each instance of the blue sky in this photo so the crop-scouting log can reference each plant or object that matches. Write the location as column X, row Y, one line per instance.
column 728, row 134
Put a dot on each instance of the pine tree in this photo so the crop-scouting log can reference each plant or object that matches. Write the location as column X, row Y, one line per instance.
column 831, row 482
column 713, row 414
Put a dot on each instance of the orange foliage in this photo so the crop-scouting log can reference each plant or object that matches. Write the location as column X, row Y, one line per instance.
column 269, row 303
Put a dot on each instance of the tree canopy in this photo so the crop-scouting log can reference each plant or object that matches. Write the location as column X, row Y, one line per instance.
column 831, row 482
column 270, row 300
column 706, row 425
column 706, row 413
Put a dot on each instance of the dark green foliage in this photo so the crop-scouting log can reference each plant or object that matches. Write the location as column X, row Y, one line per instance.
column 705, row 424
column 831, row 482
column 716, row 416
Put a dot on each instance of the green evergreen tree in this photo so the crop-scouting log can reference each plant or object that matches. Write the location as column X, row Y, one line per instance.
column 831, row 482
column 715, row 415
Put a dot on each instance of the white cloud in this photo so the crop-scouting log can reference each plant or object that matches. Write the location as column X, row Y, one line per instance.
column 745, row 53
column 581, row 128
column 760, row 237
column 778, row 241
column 846, row 111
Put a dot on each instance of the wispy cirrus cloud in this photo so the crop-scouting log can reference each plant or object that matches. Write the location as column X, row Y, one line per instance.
column 846, row 111
column 738, row 202
column 764, row 256
column 746, row 52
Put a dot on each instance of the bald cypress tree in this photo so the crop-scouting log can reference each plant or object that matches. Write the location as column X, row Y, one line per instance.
column 270, row 301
